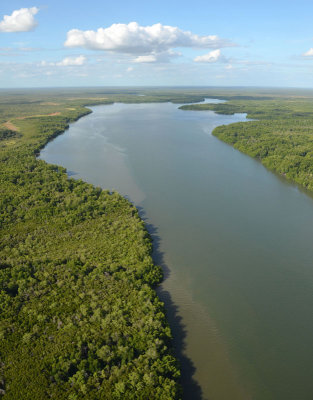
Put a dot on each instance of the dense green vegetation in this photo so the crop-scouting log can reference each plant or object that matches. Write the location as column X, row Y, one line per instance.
column 281, row 136
column 79, row 316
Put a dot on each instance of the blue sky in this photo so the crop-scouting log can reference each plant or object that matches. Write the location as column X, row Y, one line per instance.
column 202, row 43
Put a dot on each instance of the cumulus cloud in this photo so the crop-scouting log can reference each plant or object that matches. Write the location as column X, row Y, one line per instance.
column 308, row 53
column 148, row 43
column 157, row 57
column 66, row 62
column 211, row 57
column 150, row 58
column 21, row 20
column 70, row 61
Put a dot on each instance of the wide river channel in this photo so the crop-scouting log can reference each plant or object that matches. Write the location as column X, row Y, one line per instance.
column 235, row 241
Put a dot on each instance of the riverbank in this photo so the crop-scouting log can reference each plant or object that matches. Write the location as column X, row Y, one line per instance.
column 263, row 232
column 80, row 317
column 125, row 140
column 236, row 240
column 281, row 135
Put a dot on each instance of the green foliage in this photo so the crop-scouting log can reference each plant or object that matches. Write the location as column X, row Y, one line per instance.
column 283, row 146
column 7, row 134
column 79, row 316
column 281, row 137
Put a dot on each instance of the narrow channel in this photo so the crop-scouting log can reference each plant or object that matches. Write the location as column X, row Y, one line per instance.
column 235, row 242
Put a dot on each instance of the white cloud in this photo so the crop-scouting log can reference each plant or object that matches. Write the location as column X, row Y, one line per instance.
column 308, row 53
column 211, row 57
column 157, row 57
column 148, row 43
column 21, row 20
column 130, row 69
column 150, row 58
column 66, row 62
column 70, row 61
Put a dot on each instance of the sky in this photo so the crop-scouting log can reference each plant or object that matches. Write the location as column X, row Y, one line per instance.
column 55, row 43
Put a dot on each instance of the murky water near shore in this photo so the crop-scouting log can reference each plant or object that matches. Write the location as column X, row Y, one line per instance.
column 236, row 243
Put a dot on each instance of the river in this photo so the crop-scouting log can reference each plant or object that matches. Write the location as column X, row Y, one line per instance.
column 234, row 239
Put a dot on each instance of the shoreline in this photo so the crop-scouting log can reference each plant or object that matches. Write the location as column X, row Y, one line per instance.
column 150, row 275
column 169, row 306
column 16, row 177
column 175, row 323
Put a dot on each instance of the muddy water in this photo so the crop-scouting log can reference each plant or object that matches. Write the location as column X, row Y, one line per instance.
column 234, row 239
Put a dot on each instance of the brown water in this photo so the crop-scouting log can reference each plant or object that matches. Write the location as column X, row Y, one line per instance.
column 234, row 239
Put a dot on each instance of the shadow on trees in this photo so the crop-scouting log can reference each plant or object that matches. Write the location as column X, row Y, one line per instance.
column 191, row 389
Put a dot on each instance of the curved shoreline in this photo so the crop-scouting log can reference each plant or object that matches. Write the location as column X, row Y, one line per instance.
column 140, row 277
column 14, row 177
column 176, row 323
column 273, row 134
